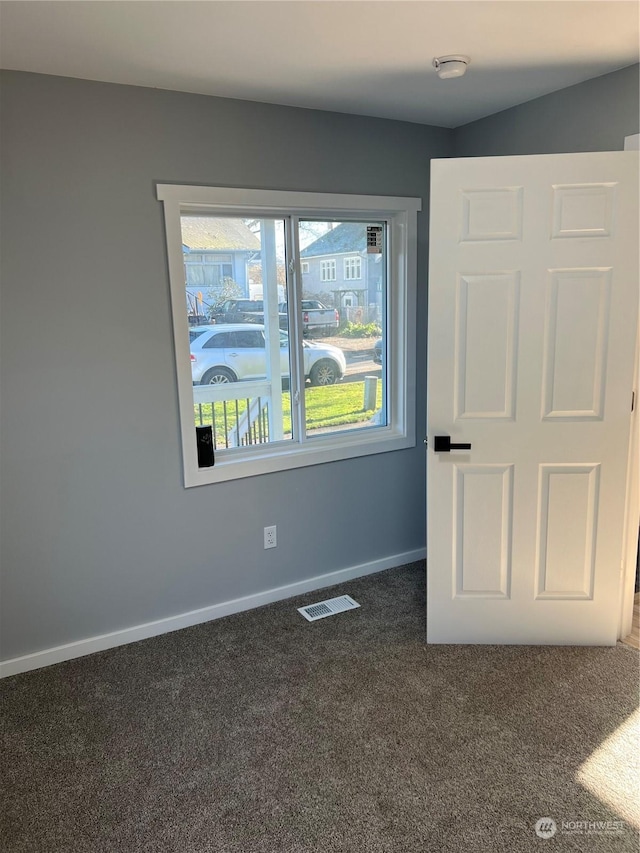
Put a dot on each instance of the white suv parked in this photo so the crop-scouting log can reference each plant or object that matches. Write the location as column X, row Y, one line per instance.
column 236, row 351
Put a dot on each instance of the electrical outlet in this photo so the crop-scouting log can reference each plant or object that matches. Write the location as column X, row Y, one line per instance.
column 270, row 537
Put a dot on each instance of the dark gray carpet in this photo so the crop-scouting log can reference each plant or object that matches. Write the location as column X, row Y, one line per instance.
column 262, row 733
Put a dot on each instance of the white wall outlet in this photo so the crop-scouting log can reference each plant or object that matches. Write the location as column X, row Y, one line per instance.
column 270, row 537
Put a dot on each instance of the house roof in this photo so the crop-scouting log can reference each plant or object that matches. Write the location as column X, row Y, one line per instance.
column 205, row 232
column 346, row 237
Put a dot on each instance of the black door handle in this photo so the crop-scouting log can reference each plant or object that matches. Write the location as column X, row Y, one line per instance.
column 442, row 444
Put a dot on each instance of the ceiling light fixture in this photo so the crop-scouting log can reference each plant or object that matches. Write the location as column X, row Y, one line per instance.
column 451, row 66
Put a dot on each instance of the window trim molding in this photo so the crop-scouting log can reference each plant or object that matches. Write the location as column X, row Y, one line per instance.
column 400, row 213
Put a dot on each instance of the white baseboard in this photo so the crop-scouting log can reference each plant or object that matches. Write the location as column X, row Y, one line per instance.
column 80, row 648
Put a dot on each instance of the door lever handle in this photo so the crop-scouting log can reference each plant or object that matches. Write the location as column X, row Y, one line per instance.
column 442, row 444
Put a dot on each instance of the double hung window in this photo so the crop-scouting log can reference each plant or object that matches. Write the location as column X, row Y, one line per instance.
column 328, row 270
column 352, row 269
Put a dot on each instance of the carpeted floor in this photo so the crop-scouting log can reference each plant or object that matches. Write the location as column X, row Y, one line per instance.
column 262, row 733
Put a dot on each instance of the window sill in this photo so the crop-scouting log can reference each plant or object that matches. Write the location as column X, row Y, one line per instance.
column 240, row 463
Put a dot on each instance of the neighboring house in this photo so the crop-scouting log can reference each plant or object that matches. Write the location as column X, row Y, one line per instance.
column 215, row 251
column 338, row 263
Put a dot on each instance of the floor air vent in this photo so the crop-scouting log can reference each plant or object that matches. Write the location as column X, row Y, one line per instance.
column 328, row 608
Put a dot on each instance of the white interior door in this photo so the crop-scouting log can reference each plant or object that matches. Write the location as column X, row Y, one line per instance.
column 533, row 306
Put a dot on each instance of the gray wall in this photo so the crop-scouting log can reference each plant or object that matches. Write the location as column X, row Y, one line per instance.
column 98, row 533
column 592, row 116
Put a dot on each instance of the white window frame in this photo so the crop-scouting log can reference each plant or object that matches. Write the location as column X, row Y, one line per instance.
column 304, row 267
column 400, row 215
column 350, row 264
column 328, row 270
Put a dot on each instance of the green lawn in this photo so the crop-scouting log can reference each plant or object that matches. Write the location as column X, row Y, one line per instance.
column 326, row 407
column 336, row 405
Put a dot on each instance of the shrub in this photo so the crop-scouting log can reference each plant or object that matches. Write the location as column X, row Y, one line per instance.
column 361, row 330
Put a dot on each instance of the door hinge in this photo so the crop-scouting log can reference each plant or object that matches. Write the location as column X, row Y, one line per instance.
column 633, row 400
column 292, row 265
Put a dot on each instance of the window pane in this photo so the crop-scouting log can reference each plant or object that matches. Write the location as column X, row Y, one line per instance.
column 235, row 279
column 344, row 276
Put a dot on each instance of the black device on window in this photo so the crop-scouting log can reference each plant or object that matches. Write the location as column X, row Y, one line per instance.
column 204, row 442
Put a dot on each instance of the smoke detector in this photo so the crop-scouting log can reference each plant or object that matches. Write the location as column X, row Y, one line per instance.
column 451, row 66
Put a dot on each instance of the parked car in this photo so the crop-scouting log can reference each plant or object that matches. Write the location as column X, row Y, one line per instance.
column 377, row 351
column 237, row 351
column 316, row 317
column 195, row 333
column 238, row 311
column 245, row 311
column 199, row 320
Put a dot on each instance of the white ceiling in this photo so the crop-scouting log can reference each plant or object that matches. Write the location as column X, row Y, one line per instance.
column 363, row 57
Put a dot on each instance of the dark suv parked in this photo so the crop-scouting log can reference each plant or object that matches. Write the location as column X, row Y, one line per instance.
column 243, row 311
column 239, row 311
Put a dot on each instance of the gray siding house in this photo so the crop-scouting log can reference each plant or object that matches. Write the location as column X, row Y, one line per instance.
column 216, row 251
column 337, row 268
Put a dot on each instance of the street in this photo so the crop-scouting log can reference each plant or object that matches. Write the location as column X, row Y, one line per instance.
column 359, row 365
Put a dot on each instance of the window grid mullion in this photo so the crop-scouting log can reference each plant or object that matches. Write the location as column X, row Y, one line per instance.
column 296, row 353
